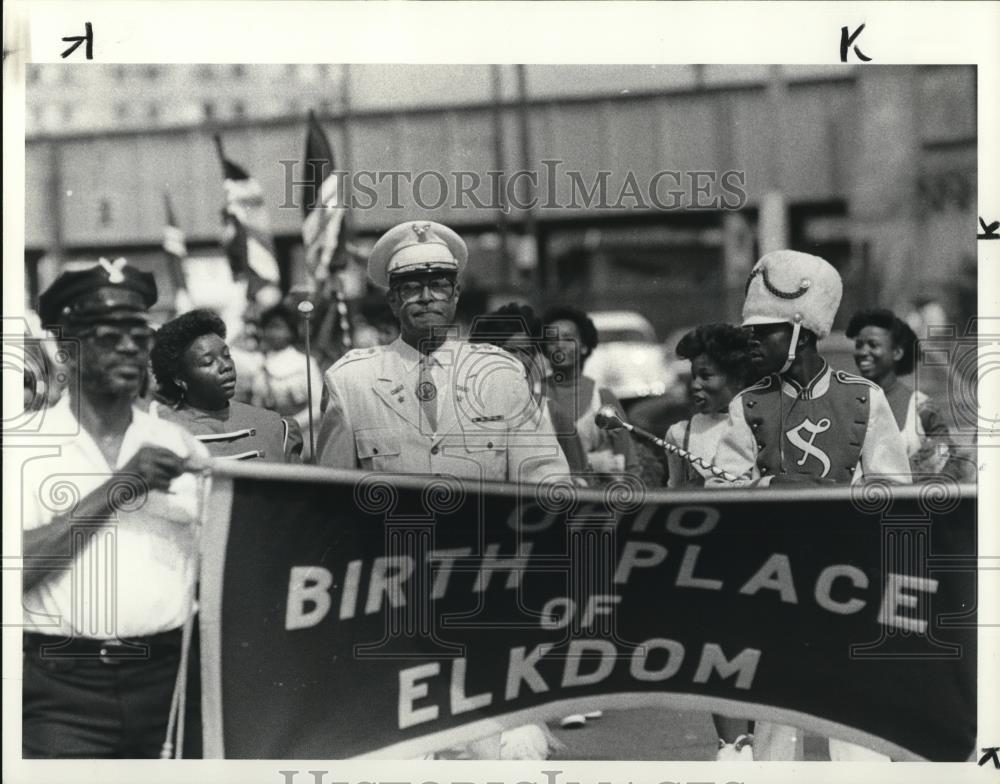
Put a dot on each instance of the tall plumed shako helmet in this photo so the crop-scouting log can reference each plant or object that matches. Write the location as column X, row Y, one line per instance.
column 794, row 288
column 789, row 287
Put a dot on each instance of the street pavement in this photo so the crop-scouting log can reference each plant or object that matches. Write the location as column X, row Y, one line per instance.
column 652, row 734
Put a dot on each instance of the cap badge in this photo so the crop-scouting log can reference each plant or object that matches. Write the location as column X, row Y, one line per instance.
column 114, row 269
column 803, row 288
column 421, row 229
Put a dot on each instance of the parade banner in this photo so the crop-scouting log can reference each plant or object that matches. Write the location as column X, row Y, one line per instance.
column 347, row 614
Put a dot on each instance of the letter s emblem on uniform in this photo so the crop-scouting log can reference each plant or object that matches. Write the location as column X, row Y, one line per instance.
column 807, row 447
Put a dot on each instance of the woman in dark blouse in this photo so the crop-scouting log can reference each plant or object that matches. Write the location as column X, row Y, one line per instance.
column 196, row 381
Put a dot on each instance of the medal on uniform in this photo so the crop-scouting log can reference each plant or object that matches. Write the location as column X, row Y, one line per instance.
column 426, row 391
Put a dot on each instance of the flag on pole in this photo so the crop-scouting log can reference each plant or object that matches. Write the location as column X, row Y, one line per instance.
column 323, row 225
column 247, row 238
column 175, row 245
column 323, row 210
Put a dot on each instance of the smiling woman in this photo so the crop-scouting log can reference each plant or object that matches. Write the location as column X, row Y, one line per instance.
column 196, row 380
column 885, row 348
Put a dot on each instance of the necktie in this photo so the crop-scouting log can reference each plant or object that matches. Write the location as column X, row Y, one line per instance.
column 427, row 395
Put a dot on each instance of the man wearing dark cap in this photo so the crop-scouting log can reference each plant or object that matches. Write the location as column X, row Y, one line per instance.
column 114, row 583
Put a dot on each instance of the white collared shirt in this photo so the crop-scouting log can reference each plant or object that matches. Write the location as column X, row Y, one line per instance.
column 130, row 577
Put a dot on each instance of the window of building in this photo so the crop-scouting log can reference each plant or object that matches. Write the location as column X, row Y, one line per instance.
column 67, row 113
column 326, row 107
column 206, row 72
column 120, row 72
column 121, row 111
column 34, row 74
column 208, row 109
column 153, row 112
column 239, row 70
column 152, row 72
column 239, row 109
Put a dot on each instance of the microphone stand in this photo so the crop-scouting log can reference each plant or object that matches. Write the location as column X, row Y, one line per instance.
column 306, row 309
column 607, row 419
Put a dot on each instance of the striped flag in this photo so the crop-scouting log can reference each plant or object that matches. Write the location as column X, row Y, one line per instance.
column 175, row 245
column 323, row 210
column 247, row 237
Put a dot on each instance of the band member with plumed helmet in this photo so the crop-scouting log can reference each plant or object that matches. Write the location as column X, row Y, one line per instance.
column 196, row 379
column 101, row 656
column 803, row 422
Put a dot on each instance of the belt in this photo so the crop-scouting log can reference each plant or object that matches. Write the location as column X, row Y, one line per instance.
column 111, row 652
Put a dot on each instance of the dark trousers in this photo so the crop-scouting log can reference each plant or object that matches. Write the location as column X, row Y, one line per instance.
column 79, row 703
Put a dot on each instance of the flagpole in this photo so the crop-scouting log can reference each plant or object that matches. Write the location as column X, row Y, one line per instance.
column 222, row 155
column 306, row 309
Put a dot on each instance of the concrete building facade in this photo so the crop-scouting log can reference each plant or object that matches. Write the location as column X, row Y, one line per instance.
column 872, row 167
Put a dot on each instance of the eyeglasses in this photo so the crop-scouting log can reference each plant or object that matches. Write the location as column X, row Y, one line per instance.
column 439, row 288
column 110, row 338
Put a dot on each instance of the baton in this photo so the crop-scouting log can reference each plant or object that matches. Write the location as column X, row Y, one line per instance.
column 306, row 309
column 607, row 419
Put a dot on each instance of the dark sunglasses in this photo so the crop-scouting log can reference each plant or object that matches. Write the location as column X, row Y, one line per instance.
column 110, row 338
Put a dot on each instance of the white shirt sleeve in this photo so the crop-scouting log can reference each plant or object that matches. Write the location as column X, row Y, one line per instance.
column 737, row 452
column 675, row 465
column 335, row 440
column 883, row 454
column 533, row 453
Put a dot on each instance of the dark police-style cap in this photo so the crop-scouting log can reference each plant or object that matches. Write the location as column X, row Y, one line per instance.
column 108, row 291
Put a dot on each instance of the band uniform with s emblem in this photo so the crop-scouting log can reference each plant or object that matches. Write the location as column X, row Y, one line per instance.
column 803, row 423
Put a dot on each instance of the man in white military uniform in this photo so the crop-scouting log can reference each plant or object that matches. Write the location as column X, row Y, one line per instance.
column 431, row 403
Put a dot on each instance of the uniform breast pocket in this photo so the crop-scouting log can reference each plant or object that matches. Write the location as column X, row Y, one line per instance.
column 378, row 448
column 489, row 450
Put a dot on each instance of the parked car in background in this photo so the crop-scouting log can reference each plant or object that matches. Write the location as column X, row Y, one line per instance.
column 628, row 359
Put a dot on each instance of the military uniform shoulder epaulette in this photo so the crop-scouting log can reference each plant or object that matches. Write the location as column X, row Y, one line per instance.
column 489, row 348
column 358, row 353
column 849, row 378
column 764, row 384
